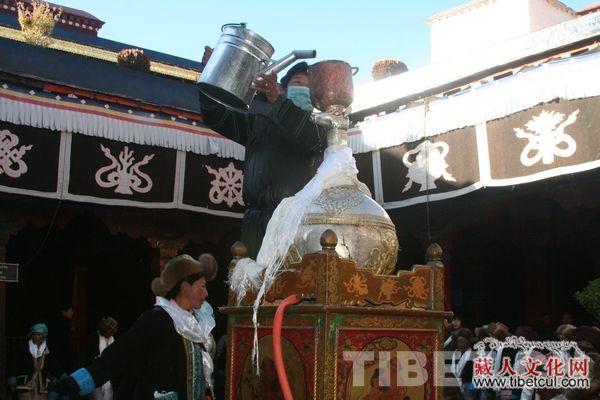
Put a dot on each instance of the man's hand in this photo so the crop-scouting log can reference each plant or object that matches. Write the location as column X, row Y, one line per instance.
column 66, row 385
column 207, row 53
column 267, row 84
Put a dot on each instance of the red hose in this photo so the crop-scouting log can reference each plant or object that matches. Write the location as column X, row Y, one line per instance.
column 279, row 365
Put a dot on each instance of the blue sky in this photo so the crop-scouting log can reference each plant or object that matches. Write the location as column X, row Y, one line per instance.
column 359, row 32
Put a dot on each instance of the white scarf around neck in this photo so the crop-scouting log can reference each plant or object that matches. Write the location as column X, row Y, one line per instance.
column 457, row 367
column 186, row 323
column 195, row 327
column 35, row 350
column 103, row 342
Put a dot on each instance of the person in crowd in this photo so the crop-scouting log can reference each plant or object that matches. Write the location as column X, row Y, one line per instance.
column 500, row 332
column 545, row 328
column 35, row 366
column 462, row 360
column 61, row 337
column 96, row 344
column 284, row 146
column 530, row 335
column 457, row 322
column 481, row 333
column 206, row 313
column 452, row 329
column 587, row 338
column 588, row 341
column 221, row 366
column 567, row 319
column 527, row 332
column 164, row 354
column 564, row 331
column 449, row 338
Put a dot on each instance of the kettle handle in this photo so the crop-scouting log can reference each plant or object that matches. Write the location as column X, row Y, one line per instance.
column 242, row 24
column 289, row 59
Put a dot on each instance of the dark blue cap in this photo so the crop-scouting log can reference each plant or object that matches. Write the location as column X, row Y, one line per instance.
column 296, row 69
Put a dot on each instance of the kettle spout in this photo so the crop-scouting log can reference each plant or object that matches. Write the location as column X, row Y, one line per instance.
column 281, row 64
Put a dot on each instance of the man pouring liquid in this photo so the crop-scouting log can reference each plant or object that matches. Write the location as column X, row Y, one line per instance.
column 283, row 145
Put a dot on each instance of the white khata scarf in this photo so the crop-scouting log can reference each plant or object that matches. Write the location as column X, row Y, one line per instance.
column 35, row 350
column 104, row 392
column 103, row 342
column 458, row 365
column 194, row 327
column 338, row 167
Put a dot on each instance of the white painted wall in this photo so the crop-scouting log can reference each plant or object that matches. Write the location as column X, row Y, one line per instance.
column 484, row 23
column 542, row 16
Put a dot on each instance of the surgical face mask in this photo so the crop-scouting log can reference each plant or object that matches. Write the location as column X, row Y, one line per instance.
column 300, row 96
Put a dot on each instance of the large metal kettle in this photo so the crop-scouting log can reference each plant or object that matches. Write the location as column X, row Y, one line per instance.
column 237, row 58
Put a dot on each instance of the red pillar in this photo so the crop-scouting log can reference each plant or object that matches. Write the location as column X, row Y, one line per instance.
column 79, row 323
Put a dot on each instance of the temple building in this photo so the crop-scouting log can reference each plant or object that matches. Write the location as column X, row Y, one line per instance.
column 106, row 171
column 492, row 151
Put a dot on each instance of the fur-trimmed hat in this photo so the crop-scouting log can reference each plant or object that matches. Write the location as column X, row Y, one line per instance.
column 108, row 324
column 210, row 265
column 499, row 330
column 175, row 270
column 296, row 69
column 587, row 333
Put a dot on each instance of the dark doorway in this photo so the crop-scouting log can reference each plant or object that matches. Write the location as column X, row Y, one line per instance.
column 82, row 264
column 514, row 254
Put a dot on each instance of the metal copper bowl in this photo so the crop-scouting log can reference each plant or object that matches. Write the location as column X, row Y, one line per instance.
column 330, row 84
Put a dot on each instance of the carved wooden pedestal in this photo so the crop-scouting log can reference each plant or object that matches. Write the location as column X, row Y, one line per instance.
column 351, row 310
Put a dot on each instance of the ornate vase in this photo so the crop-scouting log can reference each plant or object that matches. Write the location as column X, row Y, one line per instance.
column 366, row 234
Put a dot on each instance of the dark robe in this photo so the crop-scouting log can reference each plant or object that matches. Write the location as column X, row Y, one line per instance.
column 150, row 357
column 221, row 367
column 61, row 337
column 91, row 349
column 22, row 367
column 511, row 353
column 283, row 150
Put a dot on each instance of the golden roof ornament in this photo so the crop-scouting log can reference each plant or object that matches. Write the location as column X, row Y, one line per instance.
column 386, row 68
column 134, row 59
column 37, row 22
